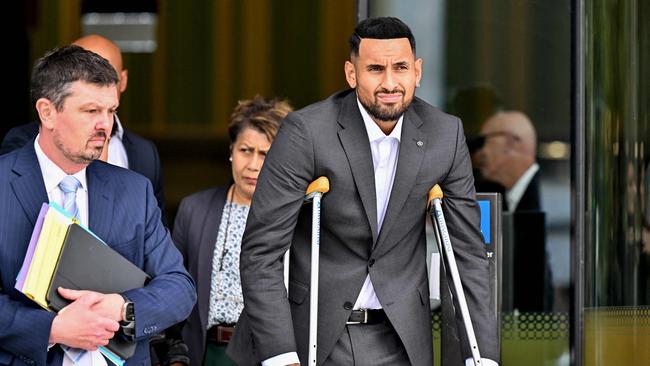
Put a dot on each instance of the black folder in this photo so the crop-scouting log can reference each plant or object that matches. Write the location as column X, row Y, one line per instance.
column 86, row 263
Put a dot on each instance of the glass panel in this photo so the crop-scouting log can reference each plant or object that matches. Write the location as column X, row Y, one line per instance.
column 486, row 56
column 617, row 248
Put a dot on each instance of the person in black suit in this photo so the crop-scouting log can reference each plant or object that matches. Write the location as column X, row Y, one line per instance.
column 126, row 149
column 507, row 156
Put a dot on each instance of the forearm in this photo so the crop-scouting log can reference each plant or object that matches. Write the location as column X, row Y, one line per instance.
column 24, row 330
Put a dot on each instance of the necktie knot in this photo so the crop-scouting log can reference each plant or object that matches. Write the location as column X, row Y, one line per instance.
column 69, row 186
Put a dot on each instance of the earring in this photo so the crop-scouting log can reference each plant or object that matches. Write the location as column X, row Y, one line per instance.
column 417, row 85
column 230, row 159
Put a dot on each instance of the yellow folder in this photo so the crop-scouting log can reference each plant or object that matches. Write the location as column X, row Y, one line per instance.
column 46, row 256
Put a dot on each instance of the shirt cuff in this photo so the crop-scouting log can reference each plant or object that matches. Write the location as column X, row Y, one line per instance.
column 282, row 360
column 486, row 362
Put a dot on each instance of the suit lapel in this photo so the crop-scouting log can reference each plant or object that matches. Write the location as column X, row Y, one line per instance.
column 209, row 231
column 354, row 140
column 411, row 152
column 100, row 200
column 28, row 186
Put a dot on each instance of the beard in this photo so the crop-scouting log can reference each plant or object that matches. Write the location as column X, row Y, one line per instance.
column 385, row 113
column 85, row 156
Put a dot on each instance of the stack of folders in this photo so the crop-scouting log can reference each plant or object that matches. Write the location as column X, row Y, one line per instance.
column 63, row 253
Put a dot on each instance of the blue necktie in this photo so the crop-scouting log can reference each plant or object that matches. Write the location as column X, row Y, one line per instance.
column 69, row 186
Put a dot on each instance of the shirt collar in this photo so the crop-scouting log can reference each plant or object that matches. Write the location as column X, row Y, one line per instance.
column 374, row 132
column 514, row 194
column 120, row 130
column 52, row 174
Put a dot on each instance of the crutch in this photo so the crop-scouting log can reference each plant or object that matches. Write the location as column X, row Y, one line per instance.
column 442, row 238
column 314, row 193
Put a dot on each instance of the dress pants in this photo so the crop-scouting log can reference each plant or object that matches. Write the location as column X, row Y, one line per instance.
column 368, row 345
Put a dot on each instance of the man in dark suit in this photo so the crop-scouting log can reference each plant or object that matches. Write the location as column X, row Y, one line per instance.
column 383, row 150
column 508, row 157
column 75, row 94
column 126, row 149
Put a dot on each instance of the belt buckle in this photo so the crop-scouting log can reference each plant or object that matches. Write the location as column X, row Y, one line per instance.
column 224, row 334
column 365, row 318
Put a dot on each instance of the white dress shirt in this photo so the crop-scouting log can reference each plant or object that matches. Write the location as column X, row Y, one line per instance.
column 116, row 151
column 385, row 150
column 52, row 176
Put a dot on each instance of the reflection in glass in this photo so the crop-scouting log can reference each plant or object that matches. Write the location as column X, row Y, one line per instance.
column 617, row 248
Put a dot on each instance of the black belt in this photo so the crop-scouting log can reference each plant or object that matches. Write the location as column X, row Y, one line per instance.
column 367, row 316
column 220, row 333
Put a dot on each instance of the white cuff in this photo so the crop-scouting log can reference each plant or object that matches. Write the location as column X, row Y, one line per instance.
column 485, row 361
column 282, row 360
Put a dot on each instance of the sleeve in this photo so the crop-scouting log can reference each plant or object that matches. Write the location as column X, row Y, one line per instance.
column 463, row 222
column 287, row 171
column 169, row 279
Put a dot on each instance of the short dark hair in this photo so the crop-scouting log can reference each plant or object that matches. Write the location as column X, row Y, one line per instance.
column 380, row 28
column 53, row 73
column 261, row 114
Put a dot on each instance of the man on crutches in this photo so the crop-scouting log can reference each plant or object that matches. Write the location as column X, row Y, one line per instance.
column 382, row 149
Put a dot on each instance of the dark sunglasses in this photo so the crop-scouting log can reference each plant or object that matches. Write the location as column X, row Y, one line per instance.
column 476, row 143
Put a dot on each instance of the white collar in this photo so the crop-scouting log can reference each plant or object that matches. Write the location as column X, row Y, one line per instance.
column 514, row 194
column 120, row 130
column 374, row 132
column 52, row 174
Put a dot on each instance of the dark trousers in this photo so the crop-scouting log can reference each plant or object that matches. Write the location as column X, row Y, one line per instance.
column 368, row 345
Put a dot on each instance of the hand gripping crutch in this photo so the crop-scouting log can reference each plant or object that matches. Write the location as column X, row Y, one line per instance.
column 442, row 238
column 314, row 193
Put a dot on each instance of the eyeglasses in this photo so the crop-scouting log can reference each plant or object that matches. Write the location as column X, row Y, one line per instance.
column 477, row 143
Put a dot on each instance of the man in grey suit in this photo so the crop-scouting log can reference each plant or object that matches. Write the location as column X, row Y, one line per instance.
column 383, row 150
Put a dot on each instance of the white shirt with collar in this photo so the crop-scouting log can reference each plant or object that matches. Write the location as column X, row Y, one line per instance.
column 514, row 194
column 116, row 151
column 52, row 176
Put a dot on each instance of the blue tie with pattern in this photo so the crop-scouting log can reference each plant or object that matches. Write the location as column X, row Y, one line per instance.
column 69, row 186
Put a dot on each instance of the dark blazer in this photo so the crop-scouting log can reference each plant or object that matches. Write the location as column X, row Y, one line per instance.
column 142, row 154
column 195, row 234
column 123, row 212
column 329, row 139
column 530, row 199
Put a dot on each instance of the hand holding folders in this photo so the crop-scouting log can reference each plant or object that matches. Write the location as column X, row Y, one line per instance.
column 64, row 254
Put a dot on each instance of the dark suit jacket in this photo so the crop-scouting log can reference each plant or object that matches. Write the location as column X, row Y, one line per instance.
column 530, row 199
column 195, row 234
column 123, row 212
column 142, row 154
column 329, row 139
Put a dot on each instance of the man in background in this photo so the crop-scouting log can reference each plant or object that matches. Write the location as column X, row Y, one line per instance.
column 508, row 157
column 125, row 149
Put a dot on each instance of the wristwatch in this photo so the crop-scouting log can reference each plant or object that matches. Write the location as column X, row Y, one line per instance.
column 127, row 324
column 128, row 311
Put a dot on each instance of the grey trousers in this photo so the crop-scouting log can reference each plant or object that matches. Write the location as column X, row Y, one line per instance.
column 368, row 345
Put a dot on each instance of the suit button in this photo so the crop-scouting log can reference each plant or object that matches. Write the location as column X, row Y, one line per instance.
column 371, row 262
column 347, row 305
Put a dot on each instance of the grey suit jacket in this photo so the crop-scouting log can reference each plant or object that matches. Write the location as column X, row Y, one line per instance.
column 329, row 139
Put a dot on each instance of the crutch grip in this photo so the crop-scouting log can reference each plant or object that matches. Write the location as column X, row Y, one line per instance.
column 435, row 192
column 321, row 185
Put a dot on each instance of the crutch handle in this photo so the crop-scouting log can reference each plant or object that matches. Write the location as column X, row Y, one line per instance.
column 321, row 185
column 435, row 192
